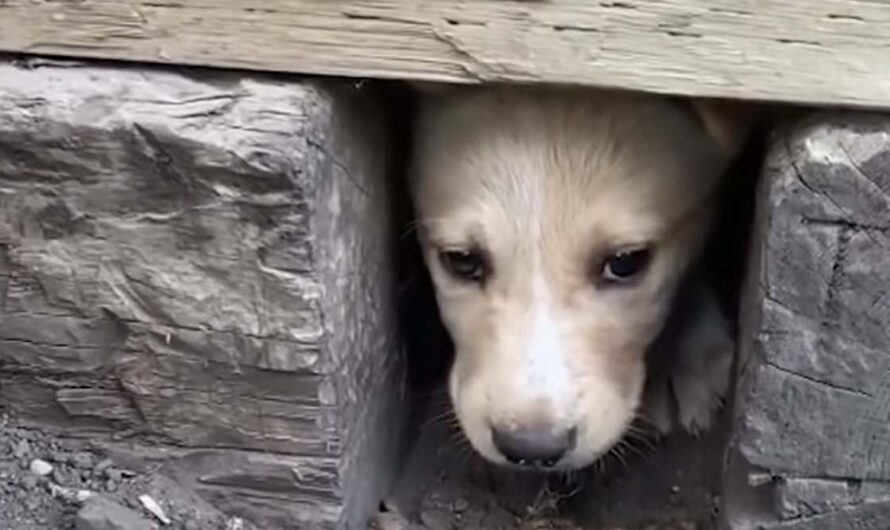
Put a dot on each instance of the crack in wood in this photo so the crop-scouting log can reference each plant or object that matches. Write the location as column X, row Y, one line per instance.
column 842, row 224
column 815, row 381
column 804, row 42
column 861, row 172
column 845, row 17
column 832, row 308
column 472, row 67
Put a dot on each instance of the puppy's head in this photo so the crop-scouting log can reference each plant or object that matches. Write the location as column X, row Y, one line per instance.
column 556, row 226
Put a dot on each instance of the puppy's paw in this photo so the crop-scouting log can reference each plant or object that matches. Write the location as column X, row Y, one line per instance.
column 703, row 364
column 691, row 389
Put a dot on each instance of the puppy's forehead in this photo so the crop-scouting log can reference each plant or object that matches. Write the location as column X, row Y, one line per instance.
column 514, row 158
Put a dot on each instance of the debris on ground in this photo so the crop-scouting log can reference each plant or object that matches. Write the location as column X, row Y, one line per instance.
column 51, row 482
column 448, row 487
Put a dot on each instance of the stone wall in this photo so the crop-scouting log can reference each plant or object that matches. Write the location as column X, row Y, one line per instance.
column 201, row 264
column 811, row 440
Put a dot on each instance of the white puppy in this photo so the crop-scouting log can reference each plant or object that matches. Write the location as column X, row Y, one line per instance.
column 557, row 225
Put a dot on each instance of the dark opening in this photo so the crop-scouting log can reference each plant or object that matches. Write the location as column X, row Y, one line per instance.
column 669, row 481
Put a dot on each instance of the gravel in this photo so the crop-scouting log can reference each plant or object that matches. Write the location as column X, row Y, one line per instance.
column 55, row 483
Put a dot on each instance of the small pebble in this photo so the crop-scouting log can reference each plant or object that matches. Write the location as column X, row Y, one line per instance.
column 235, row 523
column 81, row 460
column 22, row 449
column 75, row 481
column 40, row 467
column 25, row 433
column 154, row 508
column 60, row 492
column 28, row 482
column 59, row 475
column 83, row 495
column 103, row 465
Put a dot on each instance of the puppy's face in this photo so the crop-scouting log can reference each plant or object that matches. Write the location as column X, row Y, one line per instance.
column 556, row 226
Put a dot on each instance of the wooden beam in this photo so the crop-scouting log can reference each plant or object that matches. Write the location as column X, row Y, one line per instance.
column 813, row 51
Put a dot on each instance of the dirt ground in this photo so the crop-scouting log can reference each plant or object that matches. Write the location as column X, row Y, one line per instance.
column 49, row 483
column 671, row 485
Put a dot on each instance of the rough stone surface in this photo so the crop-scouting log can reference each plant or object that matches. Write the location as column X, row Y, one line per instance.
column 798, row 498
column 99, row 513
column 811, row 447
column 200, row 263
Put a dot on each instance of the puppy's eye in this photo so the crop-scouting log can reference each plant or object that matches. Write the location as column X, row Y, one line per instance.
column 625, row 265
column 468, row 265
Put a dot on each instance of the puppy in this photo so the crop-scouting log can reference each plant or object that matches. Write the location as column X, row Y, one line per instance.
column 557, row 225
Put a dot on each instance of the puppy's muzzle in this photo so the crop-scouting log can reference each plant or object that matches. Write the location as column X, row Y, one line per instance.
column 534, row 447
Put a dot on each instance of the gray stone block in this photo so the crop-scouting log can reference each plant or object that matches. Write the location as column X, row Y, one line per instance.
column 811, row 445
column 203, row 262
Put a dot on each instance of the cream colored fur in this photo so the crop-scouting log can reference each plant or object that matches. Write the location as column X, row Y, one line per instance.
column 547, row 182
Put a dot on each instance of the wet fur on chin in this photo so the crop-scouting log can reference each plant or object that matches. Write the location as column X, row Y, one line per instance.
column 546, row 183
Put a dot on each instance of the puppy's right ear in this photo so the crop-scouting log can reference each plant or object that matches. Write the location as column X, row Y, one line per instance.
column 727, row 122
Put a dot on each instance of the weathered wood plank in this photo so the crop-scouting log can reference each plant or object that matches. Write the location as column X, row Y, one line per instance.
column 812, row 425
column 819, row 51
column 203, row 262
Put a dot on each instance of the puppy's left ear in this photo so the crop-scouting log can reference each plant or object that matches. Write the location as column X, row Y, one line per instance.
column 727, row 122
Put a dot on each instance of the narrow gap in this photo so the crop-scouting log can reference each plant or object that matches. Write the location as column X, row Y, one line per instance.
column 443, row 482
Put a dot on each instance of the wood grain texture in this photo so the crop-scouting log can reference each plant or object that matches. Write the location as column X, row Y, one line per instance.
column 818, row 51
column 203, row 262
column 812, row 417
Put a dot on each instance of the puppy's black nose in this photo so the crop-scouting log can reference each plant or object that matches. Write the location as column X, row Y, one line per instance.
column 535, row 447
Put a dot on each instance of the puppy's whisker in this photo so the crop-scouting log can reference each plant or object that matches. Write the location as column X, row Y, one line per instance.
column 643, row 421
column 647, row 449
column 617, row 451
column 445, row 417
column 629, row 445
column 600, row 465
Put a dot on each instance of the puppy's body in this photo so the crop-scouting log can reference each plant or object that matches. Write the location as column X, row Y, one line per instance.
column 533, row 206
